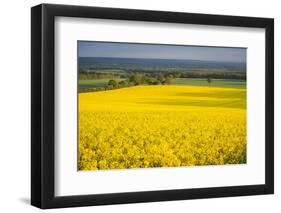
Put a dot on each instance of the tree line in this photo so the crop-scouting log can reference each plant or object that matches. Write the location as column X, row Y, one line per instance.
column 134, row 80
column 85, row 75
column 152, row 78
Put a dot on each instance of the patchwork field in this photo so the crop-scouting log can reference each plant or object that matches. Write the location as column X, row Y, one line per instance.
column 224, row 83
column 85, row 85
column 94, row 83
column 162, row 126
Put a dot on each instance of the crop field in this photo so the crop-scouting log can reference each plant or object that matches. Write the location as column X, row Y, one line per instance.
column 94, row 83
column 228, row 83
column 162, row 126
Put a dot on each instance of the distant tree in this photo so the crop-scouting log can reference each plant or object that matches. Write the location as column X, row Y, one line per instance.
column 168, row 80
column 156, row 82
column 112, row 83
column 169, row 75
column 108, row 87
column 149, row 80
column 161, row 79
column 209, row 80
column 137, row 79
column 123, row 83
column 177, row 74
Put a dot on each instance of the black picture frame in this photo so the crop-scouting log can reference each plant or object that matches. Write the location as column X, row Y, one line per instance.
column 43, row 102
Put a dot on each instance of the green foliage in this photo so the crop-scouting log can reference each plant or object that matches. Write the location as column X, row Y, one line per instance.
column 112, row 83
column 123, row 83
column 209, row 80
column 86, row 75
column 161, row 79
column 93, row 81
column 137, row 79
column 222, row 83
column 168, row 80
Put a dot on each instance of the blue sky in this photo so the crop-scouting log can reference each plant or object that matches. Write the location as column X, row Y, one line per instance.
column 134, row 50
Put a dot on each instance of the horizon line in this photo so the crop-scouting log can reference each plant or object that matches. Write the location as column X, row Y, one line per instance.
column 241, row 62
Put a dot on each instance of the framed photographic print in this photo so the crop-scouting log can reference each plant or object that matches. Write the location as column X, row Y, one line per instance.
column 140, row 106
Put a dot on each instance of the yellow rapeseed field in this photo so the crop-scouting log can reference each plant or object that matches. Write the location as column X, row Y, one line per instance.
column 161, row 126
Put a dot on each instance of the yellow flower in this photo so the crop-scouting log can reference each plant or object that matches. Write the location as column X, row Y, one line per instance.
column 161, row 126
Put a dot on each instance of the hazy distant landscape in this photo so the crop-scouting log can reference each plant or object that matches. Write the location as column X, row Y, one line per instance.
column 96, row 72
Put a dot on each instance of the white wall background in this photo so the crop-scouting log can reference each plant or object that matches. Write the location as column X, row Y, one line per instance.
column 15, row 105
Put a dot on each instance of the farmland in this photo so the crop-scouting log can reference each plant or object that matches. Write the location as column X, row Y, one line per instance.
column 189, row 123
column 87, row 85
column 94, row 83
column 225, row 83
